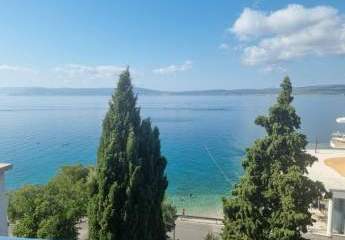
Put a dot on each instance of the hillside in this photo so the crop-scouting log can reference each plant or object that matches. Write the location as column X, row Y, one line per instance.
column 40, row 91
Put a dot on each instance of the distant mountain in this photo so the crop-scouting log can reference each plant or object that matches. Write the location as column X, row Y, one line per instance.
column 40, row 91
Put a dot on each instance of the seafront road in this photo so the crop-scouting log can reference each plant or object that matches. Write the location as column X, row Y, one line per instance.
column 195, row 229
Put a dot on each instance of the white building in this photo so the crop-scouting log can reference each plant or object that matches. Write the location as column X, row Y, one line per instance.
column 330, row 170
column 3, row 200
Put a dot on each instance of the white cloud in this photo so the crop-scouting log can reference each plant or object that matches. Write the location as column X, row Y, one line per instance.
column 274, row 68
column 289, row 33
column 15, row 68
column 87, row 71
column 223, row 46
column 187, row 65
column 70, row 75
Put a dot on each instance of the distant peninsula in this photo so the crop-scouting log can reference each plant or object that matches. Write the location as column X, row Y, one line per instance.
column 338, row 89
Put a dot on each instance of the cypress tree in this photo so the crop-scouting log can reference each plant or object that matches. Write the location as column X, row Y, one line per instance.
column 155, row 182
column 117, row 208
column 272, row 199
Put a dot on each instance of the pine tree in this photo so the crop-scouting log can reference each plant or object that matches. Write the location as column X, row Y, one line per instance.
column 122, row 206
column 272, row 199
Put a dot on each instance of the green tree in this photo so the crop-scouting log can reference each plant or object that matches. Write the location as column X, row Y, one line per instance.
column 22, row 210
column 129, row 183
column 169, row 215
column 51, row 211
column 153, row 183
column 211, row 236
column 272, row 199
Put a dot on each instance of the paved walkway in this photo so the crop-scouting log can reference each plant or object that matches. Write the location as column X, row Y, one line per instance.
column 195, row 229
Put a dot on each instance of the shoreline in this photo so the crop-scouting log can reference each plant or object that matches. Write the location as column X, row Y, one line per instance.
column 211, row 205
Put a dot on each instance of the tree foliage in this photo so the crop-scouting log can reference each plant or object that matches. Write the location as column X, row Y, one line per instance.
column 272, row 199
column 51, row 211
column 211, row 236
column 169, row 215
column 129, row 183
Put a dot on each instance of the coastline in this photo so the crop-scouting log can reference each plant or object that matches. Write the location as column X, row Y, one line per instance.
column 209, row 205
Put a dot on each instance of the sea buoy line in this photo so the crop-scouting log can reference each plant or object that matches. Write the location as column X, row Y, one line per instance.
column 217, row 165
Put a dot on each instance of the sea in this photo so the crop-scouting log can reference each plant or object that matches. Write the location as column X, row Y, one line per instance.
column 204, row 138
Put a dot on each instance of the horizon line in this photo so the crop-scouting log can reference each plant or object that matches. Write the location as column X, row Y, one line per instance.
column 173, row 91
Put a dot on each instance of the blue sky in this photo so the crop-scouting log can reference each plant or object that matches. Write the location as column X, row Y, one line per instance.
column 172, row 45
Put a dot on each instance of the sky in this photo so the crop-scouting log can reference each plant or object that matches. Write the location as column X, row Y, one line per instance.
column 171, row 45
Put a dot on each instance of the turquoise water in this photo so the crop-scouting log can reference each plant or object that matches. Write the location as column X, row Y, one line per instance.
column 40, row 134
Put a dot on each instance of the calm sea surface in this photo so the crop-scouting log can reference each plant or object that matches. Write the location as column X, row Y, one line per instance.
column 203, row 138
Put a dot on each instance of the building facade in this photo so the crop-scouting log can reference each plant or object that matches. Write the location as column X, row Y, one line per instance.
column 330, row 170
column 3, row 200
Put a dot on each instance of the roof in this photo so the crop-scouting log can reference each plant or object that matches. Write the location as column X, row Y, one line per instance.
column 5, row 166
column 320, row 171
